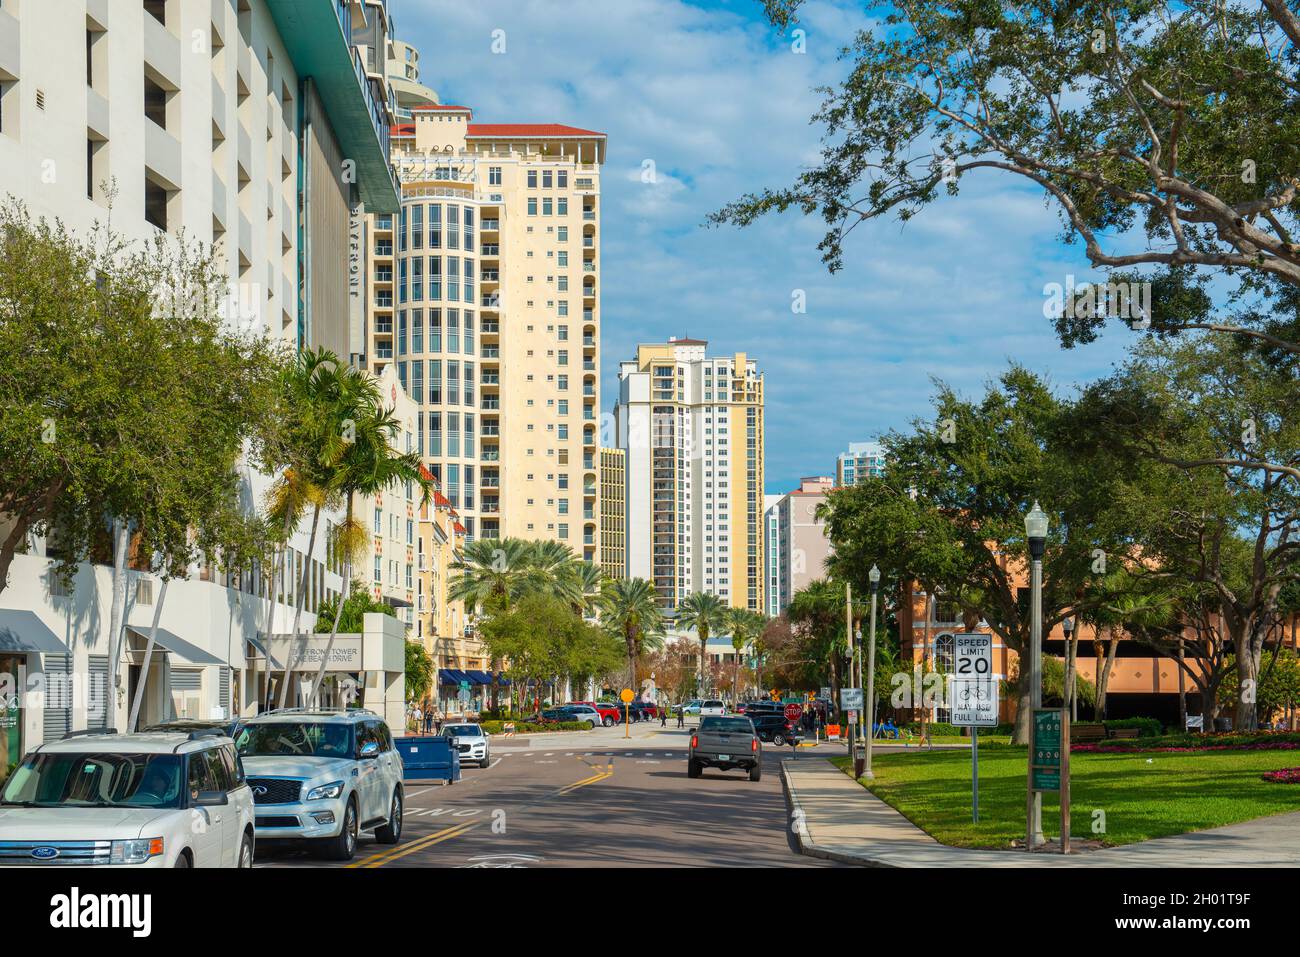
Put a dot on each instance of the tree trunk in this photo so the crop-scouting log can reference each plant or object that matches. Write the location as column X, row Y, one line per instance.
column 116, row 618
column 292, row 661
column 338, row 614
column 1104, row 666
column 1249, row 651
column 704, row 641
column 925, row 654
column 1182, row 687
column 1072, row 674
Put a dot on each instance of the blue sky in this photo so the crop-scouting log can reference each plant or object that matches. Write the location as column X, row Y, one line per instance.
column 721, row 104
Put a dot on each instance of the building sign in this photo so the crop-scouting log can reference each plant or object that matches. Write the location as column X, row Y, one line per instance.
column 345, row 655
column 357, row 276
column 1049, row 749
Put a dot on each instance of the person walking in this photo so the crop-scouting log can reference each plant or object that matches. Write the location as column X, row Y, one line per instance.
column 680, row 717
column 428, row 719
column 417, row 716
column 663, row 717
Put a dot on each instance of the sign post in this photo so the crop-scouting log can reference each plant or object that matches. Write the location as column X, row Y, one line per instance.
column 1049, row 766
column 850, row 704
column 973, row 699
column 627, row 697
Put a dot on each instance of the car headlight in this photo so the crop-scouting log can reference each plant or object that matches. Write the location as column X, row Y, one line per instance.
column 136, row 852
column 325, row 791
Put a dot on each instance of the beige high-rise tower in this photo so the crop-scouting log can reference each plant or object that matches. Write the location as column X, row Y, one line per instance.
column 691, row 428
column 485, row 295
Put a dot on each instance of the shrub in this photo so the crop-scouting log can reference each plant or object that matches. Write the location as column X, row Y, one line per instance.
column 1283, row 776
column 533, row 727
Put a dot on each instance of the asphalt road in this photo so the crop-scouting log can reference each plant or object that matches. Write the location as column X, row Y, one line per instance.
column 587, row 800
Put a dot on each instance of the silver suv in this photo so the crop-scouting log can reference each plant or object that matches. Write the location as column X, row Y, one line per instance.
column 323, row 776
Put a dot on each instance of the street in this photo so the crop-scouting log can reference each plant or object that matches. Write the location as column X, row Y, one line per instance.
column 587, row 799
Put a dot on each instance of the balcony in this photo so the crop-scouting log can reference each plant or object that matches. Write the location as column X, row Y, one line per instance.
column 490, row 378
column 490, row 455
column 588, row 342
column 383, row 300
column 384, row 275
column 491, row 250
column 490, row 328
column 491, row 302
column 589, row 215
column 384, row 328
column 490, row 480
column 491, row 402
column 490, row 275
column 490, row 225
column 490, row 352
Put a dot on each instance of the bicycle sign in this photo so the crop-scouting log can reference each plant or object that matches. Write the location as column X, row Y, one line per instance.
column 973, row 688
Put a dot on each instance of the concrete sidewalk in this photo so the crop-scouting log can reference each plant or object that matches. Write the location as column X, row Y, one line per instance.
column 838, row 819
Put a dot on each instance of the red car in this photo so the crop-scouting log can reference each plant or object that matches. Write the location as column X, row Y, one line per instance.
column 610, row 715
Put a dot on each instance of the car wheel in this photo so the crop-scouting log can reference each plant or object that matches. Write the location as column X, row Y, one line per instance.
column 391, row 832
column 692, row 769
column 608, row 722
column 246, row 851
column 778, row 739
column 344, row 846
column 756, row 772
column 182, row 860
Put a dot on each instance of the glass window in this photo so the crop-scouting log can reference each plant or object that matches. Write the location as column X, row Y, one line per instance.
column 435, row 329
column 453, row 226
column 417, row 226
column 453, row 330
column 435, row 226
column 435, row 278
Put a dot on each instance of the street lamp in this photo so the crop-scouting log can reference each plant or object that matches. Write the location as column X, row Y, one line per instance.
column 1036, row 533
column 874, row 577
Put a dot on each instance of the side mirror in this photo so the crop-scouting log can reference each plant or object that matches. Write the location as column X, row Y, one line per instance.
column 211, row 799
column 370, row 750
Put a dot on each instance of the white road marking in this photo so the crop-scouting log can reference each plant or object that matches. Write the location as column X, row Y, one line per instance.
column 494, row 763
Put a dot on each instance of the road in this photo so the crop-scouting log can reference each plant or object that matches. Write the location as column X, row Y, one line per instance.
column 590, row 799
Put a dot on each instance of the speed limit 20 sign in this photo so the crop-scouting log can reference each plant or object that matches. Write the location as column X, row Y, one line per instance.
column 973, row 691
column 973, row 656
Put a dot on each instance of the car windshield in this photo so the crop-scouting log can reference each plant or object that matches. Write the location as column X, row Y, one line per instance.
column 712, row 704
column 318, row 739
column 463, row 731
column 96, row 780
column 726, row 725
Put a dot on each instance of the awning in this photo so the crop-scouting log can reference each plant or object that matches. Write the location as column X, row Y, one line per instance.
column 177, row 646
column 23, row 631
column 480, row 677
column 256, row 642
column 450, row 676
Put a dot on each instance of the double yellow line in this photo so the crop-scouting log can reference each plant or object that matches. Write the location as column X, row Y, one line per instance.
column 456, row 830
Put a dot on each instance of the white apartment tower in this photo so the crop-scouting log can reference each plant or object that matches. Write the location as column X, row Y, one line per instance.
column 691, row 428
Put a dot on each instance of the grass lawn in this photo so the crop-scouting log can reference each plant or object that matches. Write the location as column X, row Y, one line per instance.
column 1143, row 795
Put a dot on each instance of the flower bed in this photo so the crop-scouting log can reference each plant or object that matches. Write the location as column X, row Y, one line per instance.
column 1260, row 741
column 1283, row 776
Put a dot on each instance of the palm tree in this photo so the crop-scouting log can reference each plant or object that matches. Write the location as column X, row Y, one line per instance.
column 630, row 611
column 369, row 466
column 704, row 614
column 492, row 571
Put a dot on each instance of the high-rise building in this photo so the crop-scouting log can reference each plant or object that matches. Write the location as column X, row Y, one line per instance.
column 863, row 460
column 771, row 556
column 804, row 546
column 485, row 297
column 259, row 126
column 692, row 430
column 613, row 513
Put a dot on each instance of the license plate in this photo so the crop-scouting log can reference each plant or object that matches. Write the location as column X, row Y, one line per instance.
column 724, row 757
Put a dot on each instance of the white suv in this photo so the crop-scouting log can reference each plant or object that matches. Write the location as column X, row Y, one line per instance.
column 323, row 776
column 143, row 800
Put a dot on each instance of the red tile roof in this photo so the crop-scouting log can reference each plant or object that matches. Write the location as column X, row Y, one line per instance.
column 460, row 529
column 527, row 131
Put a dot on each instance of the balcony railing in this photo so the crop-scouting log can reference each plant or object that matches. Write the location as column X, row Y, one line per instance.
column 491, row 249
column 384, row 249
column 491, row 225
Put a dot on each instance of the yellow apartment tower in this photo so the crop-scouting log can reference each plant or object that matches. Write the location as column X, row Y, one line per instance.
column 484, row 293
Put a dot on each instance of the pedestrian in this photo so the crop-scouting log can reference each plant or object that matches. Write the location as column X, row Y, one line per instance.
column 663, row 717
column 428, row 720
column 437, row 720
column 680, row 717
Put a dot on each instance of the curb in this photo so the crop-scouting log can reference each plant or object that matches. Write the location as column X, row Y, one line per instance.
column 806, row 846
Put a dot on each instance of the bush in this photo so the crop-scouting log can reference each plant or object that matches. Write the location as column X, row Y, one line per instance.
column 533, row 727
column 1147, row 727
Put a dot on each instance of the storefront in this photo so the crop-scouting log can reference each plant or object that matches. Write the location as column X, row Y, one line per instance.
column 24, row 641
column 11, row 718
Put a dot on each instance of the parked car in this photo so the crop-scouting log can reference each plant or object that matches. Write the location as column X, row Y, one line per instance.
column 575, row 712
column 610, row 714
column 323, row 777
column 712, row 706
column 760, row 707
column 692, row 707
column 775, row 728
column 158, row 799
column 725, row 742
column 648, row 708
column 227, row 726
column 470, row 741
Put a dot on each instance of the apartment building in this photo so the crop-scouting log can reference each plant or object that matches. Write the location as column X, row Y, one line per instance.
column 255, row 125
column 771, row 556
column 861, row 461
column 486, row 299
column 691, row 428
column 613, row 513
column 804, row 546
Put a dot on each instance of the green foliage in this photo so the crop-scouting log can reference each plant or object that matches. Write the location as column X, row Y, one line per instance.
column 359, row 603
column 532, row 727
column 419, row 672
column 1277, row 689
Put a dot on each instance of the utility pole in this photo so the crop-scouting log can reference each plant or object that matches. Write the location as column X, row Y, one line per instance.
column 870, row 702
column 848, row 631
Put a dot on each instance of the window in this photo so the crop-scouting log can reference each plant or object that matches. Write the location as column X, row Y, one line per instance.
column 546, row 178
column 532, row 179
column 453, row 227
column 435, row 226
column 532, row 205
column 435, row 326
column 417, row 226
column 494, row 175
column 435, row 277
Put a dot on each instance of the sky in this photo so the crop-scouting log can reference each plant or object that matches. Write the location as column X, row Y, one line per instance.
column 721, row 104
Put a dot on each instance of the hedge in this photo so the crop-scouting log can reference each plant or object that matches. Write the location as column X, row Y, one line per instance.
column 526, row 727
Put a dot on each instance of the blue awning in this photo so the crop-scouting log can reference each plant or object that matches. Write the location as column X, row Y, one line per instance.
column 480, row 677
column 23, row 631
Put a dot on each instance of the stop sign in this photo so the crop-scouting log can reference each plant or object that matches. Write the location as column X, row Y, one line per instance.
column 792, row 711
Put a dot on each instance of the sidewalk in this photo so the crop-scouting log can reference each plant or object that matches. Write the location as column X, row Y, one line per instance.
column 843, row 821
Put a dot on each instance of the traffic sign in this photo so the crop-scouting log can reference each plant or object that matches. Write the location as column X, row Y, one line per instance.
column 464, row 686
column 793, row 711
column 627, row 695
column 825, row 694
column 973, row 702
column 851, row 699
column 972, row 656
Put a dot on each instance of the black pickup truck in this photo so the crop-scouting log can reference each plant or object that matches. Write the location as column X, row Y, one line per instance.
column 725, row 742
